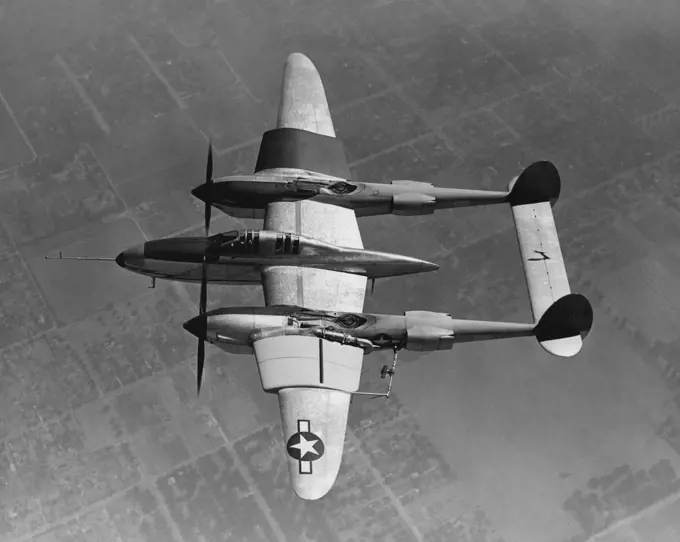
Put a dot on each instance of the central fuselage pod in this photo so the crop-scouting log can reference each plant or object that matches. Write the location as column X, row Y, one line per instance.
column 239, row 256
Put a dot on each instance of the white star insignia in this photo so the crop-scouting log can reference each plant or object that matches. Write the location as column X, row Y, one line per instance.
column 305, row 446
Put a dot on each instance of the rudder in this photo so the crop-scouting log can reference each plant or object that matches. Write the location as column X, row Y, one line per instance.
column 564, row 325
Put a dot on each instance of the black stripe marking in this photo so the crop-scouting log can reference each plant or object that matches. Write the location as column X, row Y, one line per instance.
column 321, row 361
column 301, row 149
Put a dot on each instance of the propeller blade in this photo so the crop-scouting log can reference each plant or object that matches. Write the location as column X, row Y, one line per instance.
column 208, row 180
column 202, row 307
column 201, row 362
column 209, row 170
column 208, row 208
column 203, row 333
column 203, row 301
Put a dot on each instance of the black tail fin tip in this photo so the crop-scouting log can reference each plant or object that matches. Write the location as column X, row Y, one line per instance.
column 569, row 316
column 538, row 183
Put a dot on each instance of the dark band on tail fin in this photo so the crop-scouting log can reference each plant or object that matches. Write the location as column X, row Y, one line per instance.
column 564, row 325
column 300, row 149
column 569, row 316
column 538, row 183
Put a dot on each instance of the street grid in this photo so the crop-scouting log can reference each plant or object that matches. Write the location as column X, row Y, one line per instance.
column 106, row 117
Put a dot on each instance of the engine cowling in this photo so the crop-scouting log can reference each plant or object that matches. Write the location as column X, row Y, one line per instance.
column 413, row 204
column 428, row 331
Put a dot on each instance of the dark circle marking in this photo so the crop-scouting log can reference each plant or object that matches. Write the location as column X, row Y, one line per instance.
column 295, row 453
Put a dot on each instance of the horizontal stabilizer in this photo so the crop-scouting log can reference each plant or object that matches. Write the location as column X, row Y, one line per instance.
column 533, row 192
column 564, row 325
column 532, row 196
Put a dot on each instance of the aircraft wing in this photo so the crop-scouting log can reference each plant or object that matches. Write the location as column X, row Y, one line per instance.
column 313, row 378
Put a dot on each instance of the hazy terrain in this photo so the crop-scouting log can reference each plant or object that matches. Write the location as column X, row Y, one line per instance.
column 106, row 109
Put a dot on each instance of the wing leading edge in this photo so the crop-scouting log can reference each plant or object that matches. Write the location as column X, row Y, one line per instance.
column 314, row 379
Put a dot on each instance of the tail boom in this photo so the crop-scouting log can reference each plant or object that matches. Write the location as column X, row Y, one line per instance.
column 560, row 330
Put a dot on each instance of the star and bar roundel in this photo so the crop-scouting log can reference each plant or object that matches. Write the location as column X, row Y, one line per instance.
column 305, row 447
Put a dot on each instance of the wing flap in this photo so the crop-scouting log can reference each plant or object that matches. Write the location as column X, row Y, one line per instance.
column 302, row 361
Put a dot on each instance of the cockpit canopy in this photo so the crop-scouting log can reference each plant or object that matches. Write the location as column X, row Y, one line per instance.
column 242, row 242
column 236, row 242
column 302, row 185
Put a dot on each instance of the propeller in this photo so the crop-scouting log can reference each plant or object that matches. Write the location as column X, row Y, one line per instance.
column 203, row 301
column 208, row 182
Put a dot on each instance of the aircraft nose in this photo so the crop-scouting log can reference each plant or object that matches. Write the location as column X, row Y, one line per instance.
column 197, row 326
column 132, row 257
column 202, row 192
column 428, row 266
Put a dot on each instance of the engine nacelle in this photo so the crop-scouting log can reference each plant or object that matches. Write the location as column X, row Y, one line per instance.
column 413, row 204
column 427, row 331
